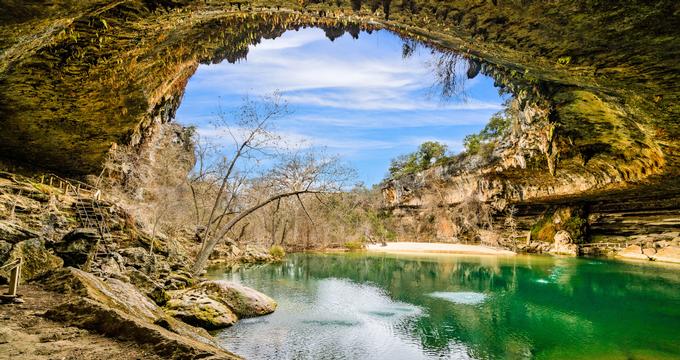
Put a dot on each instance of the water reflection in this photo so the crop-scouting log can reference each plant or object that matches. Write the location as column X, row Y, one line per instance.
column 398, row 307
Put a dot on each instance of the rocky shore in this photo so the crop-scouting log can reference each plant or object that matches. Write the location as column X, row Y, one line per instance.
column 108, row 293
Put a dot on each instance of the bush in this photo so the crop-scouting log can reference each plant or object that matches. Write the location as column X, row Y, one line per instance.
column 485, row 141
column 277, row 252
column 575, row 225
column 354, row 245
column 544, row 229
column 547, row 233
column 427, row 154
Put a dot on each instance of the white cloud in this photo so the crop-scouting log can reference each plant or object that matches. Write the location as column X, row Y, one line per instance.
column 290, row 40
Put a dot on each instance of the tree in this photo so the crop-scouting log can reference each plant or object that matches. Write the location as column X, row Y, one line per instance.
column 485, row 141
column 241, row 192
column 427, row 154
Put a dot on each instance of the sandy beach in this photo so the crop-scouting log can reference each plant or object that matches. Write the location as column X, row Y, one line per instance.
column 441, row 248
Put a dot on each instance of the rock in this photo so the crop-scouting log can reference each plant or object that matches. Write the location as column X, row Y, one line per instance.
column 151, row 288
column 12, row 233
column 111, row 266
column 668, row 254
column 198, row 309
column 564, row 245
column 5, row 249
column 235, row 251
column 244, row 301
column 137, row 257
column 118, row 309
column 36, row 259
column 77, row 247
column 634, row 252
column 179, row 280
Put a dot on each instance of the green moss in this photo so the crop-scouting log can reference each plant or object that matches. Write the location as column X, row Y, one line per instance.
column 571, row 221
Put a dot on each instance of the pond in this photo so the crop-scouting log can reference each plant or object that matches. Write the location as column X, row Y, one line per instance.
column 365, row 306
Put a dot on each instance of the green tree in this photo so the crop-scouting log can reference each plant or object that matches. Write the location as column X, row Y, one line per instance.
column 428, row 153
column 484, row 141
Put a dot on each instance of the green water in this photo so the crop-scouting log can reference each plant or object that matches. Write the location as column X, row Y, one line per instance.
column 354, row 306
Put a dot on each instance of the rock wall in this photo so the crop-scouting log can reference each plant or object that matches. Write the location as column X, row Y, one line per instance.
column 80, row 76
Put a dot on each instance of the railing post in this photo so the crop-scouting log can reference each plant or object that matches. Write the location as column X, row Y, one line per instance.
column 14, row 278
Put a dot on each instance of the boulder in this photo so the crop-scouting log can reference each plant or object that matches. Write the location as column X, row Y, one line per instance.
column 36, row 259
column 137, row 257
column 112, row 264
column 77, row 246
column 12, row 233
column 178, row 280
column 564, row 245
column 244, row 301
column 198, row 309
column 151, row 288
column 115, row 308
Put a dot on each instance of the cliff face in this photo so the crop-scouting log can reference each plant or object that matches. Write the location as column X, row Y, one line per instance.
column 596, row 82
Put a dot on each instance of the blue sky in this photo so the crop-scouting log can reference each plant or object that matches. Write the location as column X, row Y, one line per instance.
column 356, row 98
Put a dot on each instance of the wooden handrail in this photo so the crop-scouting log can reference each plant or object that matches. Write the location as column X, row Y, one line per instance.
column 14, row 277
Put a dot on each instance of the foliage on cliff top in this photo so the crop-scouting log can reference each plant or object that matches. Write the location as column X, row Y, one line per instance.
column 427, row 154
column 485, row 140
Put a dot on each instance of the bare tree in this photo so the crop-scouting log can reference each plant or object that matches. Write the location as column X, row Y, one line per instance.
column 241, row 192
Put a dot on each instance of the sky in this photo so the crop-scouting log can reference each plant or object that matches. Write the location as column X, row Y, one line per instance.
column 356, row 98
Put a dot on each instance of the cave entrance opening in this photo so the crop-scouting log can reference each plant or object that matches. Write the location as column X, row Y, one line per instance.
column 368, row 96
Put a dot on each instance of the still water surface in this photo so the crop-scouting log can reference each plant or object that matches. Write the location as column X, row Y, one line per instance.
column 364, row 306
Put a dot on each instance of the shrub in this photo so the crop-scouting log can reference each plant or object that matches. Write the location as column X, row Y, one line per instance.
column 277, row 252
column 544, row 229
column 353, row 245
column 484, row 142
column 575, row 225
column 427, row 154
column 547, row 233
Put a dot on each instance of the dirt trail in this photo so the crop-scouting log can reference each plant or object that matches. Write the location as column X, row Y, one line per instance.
column 24, row 334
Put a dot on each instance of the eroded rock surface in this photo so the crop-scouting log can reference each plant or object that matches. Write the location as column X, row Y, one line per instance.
column 218, row 303
column 118, row 309
column 199, row 309
column 244, row 301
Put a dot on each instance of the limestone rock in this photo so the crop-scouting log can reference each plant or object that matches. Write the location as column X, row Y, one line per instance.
column 564, row 245
column 668, row 254
column 77, row 246
column 137, row 257
column 198, row 309
column 112, row 264
column 151, row 288
column 12, row 233
column 244, row 301
column 635, row 252
column 36, row 259
column 117, row 309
